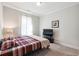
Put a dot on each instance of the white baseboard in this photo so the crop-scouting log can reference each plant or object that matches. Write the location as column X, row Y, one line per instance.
column 67, row 45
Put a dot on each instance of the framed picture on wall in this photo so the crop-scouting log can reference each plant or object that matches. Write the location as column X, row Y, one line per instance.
column 55, row 24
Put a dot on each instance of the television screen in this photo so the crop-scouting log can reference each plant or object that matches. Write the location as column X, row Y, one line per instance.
column 47, row 31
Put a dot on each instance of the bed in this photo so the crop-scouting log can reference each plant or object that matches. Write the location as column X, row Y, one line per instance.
column 25, row 45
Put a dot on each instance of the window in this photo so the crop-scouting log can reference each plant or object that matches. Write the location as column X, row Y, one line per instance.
column 26, row 25
column 29, row 26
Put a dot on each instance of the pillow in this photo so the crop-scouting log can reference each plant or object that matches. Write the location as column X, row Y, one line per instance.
column 5, row 39
column 8, row 44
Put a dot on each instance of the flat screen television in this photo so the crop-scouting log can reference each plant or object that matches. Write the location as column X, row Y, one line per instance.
column 48, row 32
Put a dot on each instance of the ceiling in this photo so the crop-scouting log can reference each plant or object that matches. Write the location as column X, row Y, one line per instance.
column 44, row 9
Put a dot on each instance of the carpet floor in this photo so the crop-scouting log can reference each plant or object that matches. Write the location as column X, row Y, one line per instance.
column 56, row 50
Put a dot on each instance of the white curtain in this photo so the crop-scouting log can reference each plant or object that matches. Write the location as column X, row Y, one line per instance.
column 26, row 26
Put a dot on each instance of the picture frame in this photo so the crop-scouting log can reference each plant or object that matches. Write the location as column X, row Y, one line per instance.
column 55, row 24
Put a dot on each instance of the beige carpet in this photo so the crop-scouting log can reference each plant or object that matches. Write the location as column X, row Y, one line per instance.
column 56, row 50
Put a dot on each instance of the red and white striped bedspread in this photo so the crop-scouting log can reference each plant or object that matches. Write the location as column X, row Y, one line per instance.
column 25, row 45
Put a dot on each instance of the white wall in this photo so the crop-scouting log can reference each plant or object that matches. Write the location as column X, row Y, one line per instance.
column 1, row 19
column 12, row 18
column 68, row 31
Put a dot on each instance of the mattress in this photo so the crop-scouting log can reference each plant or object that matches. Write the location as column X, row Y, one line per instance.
column 26, row 44
column 44, row 42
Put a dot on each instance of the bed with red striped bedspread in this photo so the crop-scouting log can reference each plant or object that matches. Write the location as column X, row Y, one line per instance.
column 25, row 44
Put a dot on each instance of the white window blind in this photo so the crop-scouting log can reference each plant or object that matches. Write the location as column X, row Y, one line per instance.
column 26, row 26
